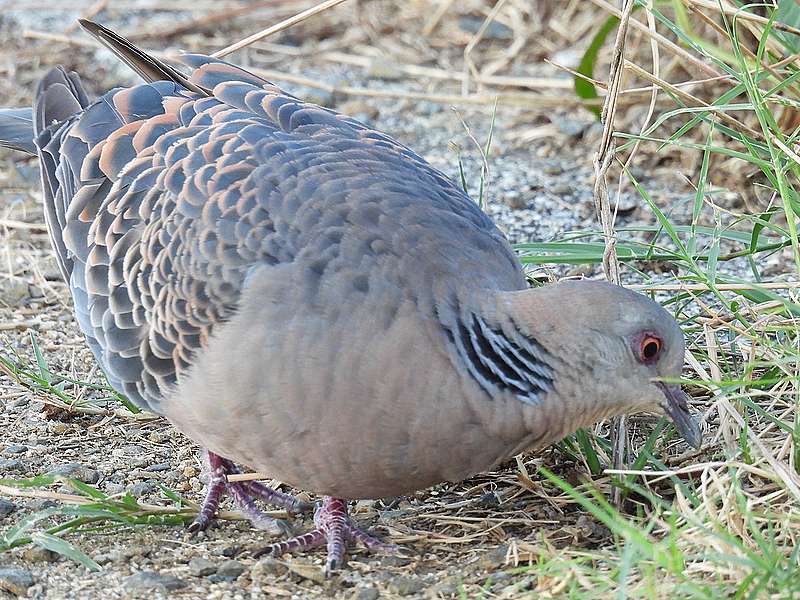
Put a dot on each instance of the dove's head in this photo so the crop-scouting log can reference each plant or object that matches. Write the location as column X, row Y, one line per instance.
column 604, row 349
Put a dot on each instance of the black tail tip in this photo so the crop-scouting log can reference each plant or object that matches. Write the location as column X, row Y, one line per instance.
column 90, row 26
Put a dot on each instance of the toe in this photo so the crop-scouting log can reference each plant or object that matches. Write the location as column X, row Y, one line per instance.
column 332, row 565
column 266, row 551
column 198, row 525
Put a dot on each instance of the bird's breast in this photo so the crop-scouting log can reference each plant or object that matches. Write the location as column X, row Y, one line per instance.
column 365, row 403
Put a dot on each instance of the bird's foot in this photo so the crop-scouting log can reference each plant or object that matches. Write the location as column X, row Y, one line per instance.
column 333, row 529
column 244, row 494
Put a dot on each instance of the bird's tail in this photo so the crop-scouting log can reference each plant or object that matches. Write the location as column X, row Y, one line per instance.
column 59, row 96
column 146, row 66
column 16, row 129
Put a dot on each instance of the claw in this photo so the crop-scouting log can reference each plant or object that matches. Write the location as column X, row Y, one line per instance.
column 334, row 529
column 243, row 494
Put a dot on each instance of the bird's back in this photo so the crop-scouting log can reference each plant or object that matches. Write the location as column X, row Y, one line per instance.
column 162, row 200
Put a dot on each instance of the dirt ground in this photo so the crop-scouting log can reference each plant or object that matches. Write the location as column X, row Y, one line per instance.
column 466, row 540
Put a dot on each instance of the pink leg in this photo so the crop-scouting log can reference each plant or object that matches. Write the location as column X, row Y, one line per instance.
column 242, row 494
column 335, row 530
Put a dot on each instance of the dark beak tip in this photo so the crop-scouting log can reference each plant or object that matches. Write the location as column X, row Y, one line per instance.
column 677, row 410
column 695, row 440
column 689, row 429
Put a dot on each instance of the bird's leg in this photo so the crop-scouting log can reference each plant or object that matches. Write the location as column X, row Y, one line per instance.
column 243, row 494
column 333, row 529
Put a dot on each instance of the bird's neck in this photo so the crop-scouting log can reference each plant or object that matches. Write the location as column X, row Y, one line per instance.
column 492, row 348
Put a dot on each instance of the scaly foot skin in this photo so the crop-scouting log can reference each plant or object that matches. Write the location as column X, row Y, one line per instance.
column 333, row 529
column 243, row 494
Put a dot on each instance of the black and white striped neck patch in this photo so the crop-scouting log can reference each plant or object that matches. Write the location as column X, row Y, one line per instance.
column 499, row 363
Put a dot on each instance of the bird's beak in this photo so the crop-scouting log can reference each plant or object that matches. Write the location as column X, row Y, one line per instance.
column 677, row 410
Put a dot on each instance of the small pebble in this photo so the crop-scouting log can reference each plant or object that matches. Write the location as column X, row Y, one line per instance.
column 369, row 593
column 406, row 586
column 102, row 558
column 515, row 200
column 493, row 559
column 230, row 570
column 489, row 499
column 627, row 204
column 562, row 189
column 58, row 428
column 77, row 471
column 360, row 110
column 381, row 69
column 15, row 449
column 6, row 508
column 145, row 583
column 267, row 569
column 584, row 270
column 395, row 560
column 572, row 127
column 15, row 581
column 13, row 292
column 444, row 590
column 159, row 467
column 141, row 488
column 8, row 465
column 116, row 556
column 201, row 567
column 42, row 503
column 317, row 96
column 306, row 571
column 553, row 169
column 189, row 472
column 37, row 554
column 114, row 488
column 494, row 31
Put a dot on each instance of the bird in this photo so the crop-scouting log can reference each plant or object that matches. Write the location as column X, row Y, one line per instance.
column 302, row 294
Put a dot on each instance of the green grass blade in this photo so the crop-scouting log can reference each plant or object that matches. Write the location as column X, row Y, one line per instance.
column 64, row 548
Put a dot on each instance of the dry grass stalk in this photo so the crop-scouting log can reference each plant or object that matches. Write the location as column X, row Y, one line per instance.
column 436, row 17
column 693, row 101
column 740, row 14
column 517, row 99
column 445, row 75
column 14, row 224
column 602, row 162
column 723, row 33
column 664, row 42
column 91, row 12
column 285, row 24
column 149, row 508
column 219, row 16
column 469, row 64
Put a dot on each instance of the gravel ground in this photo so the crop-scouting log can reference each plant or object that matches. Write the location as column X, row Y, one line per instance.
column 536, row 190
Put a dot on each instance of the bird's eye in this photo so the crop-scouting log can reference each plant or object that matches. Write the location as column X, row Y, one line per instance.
column 649, row 349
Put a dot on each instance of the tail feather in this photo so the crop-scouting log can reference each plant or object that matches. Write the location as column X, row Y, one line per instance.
column 147, row 67
column 59, row 97
column 16, row 129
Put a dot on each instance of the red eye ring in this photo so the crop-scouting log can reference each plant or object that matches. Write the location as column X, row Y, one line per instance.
column 649, row 348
